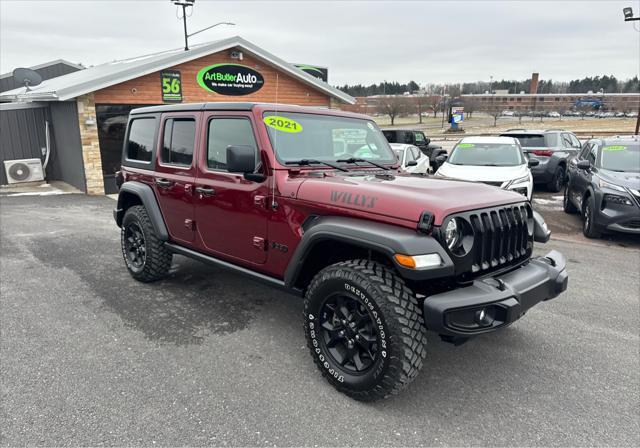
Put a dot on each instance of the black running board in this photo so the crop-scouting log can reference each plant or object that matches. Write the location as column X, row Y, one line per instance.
column 230, row 266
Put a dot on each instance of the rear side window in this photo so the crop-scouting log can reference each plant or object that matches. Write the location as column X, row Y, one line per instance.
column 140, row 143
column 225, row 132
column 179, row 137
column 390, row 136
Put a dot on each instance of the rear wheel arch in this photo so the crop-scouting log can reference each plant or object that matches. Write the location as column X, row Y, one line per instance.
column 137, row 193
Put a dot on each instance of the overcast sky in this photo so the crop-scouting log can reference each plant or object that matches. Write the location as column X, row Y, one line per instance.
column 360, row 42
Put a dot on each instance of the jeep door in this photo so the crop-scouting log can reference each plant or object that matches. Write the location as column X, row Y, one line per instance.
column 230, row 212
column 175, row 173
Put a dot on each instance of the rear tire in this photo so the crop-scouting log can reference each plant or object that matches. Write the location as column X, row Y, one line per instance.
column 566, row 201
column 364, row 328
column 146, row 257
column 588, row 215
column 557, row 181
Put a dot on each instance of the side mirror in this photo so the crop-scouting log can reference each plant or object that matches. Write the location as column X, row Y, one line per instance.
column 441, row 159
column 427, row 141
column 242, row 159
column 412, row 163
column 533, row 162
column 583, row 164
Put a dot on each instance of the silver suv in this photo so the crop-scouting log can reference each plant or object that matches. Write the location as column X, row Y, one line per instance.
column 552, row 147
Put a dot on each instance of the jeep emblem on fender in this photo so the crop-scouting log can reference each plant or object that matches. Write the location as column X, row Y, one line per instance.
column 230, row 79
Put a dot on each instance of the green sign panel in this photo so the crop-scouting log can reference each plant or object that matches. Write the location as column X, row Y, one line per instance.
column 171, row 86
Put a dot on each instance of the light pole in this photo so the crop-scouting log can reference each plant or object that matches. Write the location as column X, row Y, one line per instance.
column 189, row 4
column 628, row 17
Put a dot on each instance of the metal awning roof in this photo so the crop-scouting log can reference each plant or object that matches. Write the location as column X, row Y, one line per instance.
column 98, row 77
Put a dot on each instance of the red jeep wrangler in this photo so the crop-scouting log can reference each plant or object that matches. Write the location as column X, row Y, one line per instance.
column 311, row 201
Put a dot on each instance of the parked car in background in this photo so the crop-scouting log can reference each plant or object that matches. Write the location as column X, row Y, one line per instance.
column 604, row 186
column 553, row 114
column 631, row 114
column 508, row 113
column 497, row 161
column 552, row 148
column 416, row 138
column 412, row 160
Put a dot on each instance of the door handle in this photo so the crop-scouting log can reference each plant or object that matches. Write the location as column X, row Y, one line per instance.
column 163, row 183
column 205, row 191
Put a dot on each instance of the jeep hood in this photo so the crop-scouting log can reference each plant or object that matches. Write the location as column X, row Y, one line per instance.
column 402, row 196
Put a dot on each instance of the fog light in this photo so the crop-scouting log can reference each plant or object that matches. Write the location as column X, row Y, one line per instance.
column 483, row 318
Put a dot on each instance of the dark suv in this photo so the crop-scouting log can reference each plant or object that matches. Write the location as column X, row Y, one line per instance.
column 552, row 148
column 416, row 138
column 604, row 186
column 311, row 201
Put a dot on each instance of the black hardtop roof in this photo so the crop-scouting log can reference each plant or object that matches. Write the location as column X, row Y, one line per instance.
column 193, row 107
column 243, row 106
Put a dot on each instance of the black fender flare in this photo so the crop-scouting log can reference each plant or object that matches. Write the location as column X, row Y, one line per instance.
column 148, row 198
column 383, row 238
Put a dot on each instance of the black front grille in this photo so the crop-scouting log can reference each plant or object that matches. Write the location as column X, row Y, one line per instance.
column 632, row 224
column 493, row 184
column 501, row 236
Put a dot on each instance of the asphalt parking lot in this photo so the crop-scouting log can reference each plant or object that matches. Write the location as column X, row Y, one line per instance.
column 88, row 356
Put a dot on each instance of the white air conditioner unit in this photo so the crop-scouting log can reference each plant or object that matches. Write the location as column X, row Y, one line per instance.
column 25, row 170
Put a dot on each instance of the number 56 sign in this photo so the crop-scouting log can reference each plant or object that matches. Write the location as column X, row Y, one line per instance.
column 171, row 86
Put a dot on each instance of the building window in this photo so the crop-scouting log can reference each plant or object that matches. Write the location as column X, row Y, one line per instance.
column 519, row 100
column 141, row 134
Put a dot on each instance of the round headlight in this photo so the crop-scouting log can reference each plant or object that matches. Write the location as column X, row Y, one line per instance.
column 452, row 233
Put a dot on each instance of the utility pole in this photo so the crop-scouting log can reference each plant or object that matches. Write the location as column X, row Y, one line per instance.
column 189, row 4
column 628, row 17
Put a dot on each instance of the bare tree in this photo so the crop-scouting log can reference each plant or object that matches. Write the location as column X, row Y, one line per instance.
column 392, row 106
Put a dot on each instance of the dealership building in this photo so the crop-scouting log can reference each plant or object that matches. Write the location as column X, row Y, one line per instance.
column 81, row 113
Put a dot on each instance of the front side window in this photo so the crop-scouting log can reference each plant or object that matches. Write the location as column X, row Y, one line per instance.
column 623, row 157
column 486, row 154
column 142, row 132
column 179, row 137
column 419, row 137
column 225, row 132
column 298, row 136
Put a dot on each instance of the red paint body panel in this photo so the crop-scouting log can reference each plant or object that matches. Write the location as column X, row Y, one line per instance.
column 239, row 223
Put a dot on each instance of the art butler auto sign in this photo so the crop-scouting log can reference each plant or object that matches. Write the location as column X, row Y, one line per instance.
column 230, row 79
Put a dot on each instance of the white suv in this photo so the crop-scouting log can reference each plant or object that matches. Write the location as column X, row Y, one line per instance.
column 497, row 161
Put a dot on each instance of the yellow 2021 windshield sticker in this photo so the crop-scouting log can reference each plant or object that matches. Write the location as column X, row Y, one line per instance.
column 615, row 148
column 283, row 124
column 466, row 145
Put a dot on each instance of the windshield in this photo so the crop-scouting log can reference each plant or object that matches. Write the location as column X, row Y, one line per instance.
column 486, row 154
column 297, row 136
column 535, row 140
column 625, row 157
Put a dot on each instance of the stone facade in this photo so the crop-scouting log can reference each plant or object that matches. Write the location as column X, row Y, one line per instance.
column 90, row 144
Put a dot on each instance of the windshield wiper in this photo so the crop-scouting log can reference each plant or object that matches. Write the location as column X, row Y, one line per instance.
column 307, row 162
column 354, row 160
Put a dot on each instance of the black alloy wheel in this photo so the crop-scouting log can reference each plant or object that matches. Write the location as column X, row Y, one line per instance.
column 348, row 333
column 134, row 244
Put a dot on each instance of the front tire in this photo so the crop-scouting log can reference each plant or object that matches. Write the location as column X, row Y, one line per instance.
column 364, row 328
column 146, row 257
column 588, row 215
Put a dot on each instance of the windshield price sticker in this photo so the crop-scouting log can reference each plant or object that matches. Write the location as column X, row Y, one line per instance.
column 283, row 124
column 466, row 145
column 615, row 148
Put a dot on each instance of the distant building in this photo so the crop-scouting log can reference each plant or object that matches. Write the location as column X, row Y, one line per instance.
column 559, row 102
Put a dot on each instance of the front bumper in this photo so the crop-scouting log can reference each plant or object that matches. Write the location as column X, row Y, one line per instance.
column 496, row 302
column 617, row 217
